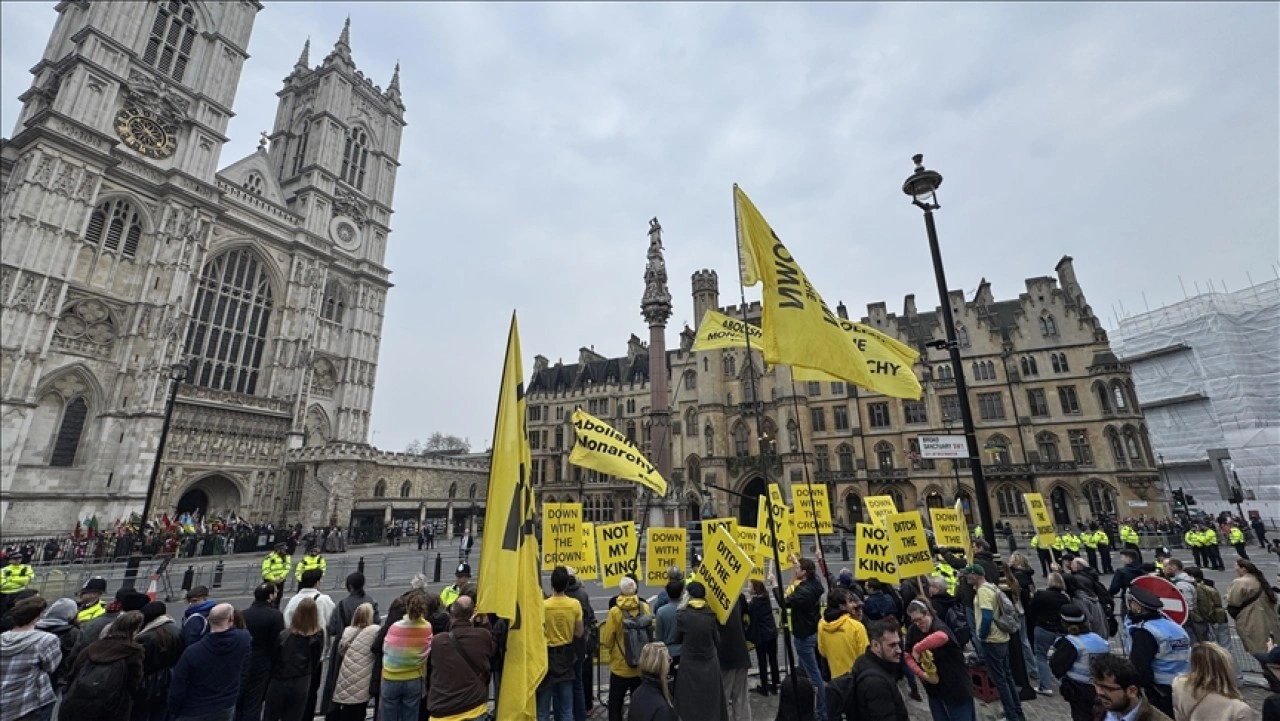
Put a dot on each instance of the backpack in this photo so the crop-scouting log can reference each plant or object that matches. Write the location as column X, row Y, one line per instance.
column 1008, row 619
column 959, row 624
column 637, row 631
column 99, row 682
column 1208, row 605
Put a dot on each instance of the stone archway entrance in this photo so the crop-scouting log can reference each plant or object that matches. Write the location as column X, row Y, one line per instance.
column 211, row 494
column 750, row 501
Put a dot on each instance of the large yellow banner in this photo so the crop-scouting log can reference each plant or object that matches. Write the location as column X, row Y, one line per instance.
column 889, row 360
column 723, row 571
column 665, row 547
column 601, row 447
column 799, row 329
column 720, row 331
column 562, row 536
column 508, row 584
column 618, row 546
column 1040, row 519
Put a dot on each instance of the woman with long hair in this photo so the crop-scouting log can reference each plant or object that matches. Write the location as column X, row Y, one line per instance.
column 652, row 700
column 114, row 659
column 404, row 661
column 355, row 667
column 1252, row 603
column 1045, row 616
column 1208, row 691
column 299, row 651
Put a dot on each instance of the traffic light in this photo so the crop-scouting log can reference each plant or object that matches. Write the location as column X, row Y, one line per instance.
column 1191, row 500
column 1179, row 499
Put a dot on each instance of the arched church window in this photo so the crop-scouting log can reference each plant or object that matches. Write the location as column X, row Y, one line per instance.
column 453, row 489
column 253, row 183
column 334, row 306
column 406, row 489
column 380, row 488
column 1048, row 326
column 172, row 34
column 355, row 157
column 115, row 226
column 227, row 337
column 67, row 441
column 962, row 336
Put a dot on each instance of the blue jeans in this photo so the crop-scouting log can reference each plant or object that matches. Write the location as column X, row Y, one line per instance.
column 968, row 616
column 996, row 658
column 400, row 700
column 807, row 654
column 1044, row 641
column 958, row 711
column 579, row 692
column 561, row 695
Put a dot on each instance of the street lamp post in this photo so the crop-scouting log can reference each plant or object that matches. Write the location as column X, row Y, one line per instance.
column 948, row 421
column 922, row 186
column 177, row 374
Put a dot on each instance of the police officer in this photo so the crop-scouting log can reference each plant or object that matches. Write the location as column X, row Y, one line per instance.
column 1129, row 539
column 1236, row 539
column 13, row 578
column 1103, row 542
column 1193, row 540
column 1159, row 648
column 1042, row 551
column 1069, row 660
column 1090, row 543
column 1070, row 541
column 1209, row 548
column 275, row 569
column 947, row 572
column 461, row 577
column 91, row 604
column 313, row 561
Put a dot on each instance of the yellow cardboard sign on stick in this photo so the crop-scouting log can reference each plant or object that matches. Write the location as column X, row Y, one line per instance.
column 910, row 545
column 1040, row 519
column 813, row 509
column 748, row 541
column 723, row 571
column 562, row 535
column 879, row 507
column 784, row 540
column 590, row 568
column 617, row 542
column 949, row 529
column 873, row 556
column 665, row 547
column 730, row 525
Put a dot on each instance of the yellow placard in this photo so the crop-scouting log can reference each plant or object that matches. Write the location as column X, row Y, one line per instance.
column 811, row 502
column 601, row 447
column 910, row 546
column 784, row 541
column 1040, row 519
column 874, row 557
column 590, row 568
column 562, row 536
column 724, row 570
column 665, row 547
column 617, row 544
column 878, row 507
column 949, row 529
column 729, row 524
column 748, row 541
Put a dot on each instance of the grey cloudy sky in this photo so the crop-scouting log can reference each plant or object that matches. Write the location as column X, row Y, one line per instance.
column 1140, row 138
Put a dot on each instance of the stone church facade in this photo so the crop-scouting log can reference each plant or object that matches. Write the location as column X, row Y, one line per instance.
column 129, row 249
column 1055, row 413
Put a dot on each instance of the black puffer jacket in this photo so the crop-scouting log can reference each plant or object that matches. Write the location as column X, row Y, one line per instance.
column 878, row 694
column 803, row 603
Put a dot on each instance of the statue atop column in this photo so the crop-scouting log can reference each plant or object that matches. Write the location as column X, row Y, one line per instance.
column 655, row 305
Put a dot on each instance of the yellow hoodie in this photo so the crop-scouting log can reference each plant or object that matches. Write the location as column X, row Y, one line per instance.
column 611, row 634
column 841, row 641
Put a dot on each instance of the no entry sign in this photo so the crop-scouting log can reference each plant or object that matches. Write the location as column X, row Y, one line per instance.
column 1175, row 607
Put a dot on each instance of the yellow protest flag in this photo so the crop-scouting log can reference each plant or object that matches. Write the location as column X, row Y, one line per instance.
column 590, row 567
column 720, row 331
column 949, row 529
column 601, row 447
column 799, row 329
column 618, row 545
column 724, row 570
column 562, row 536
column 509, row 585
column 879, row 507
column 664, row 548
column 889, row 360
column 1040, row 518
column 910, row 546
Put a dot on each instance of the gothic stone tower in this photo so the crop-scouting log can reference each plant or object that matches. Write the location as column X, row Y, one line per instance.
column 655, row 306
column 125, row 252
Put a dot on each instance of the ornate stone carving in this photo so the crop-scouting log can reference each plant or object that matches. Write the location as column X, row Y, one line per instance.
column 86, row 327
column 324, row 377
column 150, row 93
column 655, row 305
column 346, row 203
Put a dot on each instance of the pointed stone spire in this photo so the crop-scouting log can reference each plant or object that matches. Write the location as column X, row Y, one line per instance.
column 304, row 60
column 342, row 48
column 393, row 90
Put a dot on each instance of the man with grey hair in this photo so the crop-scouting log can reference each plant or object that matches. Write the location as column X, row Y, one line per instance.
column 200, row 689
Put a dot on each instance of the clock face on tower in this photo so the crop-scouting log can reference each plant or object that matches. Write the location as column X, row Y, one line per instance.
column 146, row 133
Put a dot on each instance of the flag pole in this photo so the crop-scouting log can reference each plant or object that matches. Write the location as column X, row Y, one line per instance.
column 813, row 506
column 764, row 469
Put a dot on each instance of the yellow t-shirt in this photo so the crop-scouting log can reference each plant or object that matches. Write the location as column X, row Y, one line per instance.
column 986, row 600
column 561, row 614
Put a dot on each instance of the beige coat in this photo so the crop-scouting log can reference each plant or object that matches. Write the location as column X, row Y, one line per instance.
column 1257, row 619
column 356, row 669
column 1208, row 708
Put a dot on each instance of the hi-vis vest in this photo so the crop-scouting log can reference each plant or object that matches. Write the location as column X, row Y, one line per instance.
column 1087, row 645
column 15, row 578
column 1192, row 539
column 1173, row 647
column 1035, row 542
column 1128, row 535
column 310, row 563
column 1208, row 537
column 86, row 615
column 1237, row 536
column 276, row 568
column 1100, row 538
column 1089, row 539
column 947, row 572
column 1071, row 541
column 449, row 594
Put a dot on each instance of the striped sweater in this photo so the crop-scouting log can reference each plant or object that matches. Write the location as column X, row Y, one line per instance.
column 404, row 653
